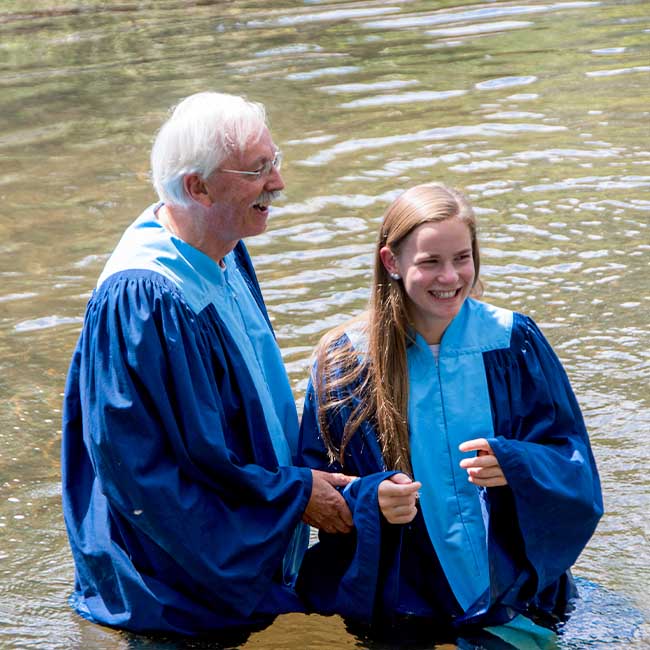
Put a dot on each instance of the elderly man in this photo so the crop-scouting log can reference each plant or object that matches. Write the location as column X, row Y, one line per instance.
column 183, row 509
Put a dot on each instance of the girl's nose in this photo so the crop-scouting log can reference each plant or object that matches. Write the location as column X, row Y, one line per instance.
column 448, row 274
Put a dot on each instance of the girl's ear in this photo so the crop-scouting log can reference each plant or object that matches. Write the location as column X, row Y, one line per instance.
column 388, row 260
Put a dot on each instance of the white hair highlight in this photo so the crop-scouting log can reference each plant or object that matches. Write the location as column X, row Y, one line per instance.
column 202, row 131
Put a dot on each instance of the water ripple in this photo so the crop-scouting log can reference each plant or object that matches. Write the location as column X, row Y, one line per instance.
column 10, row 297
column 368, row 87
column 322, row 72
column 559, row 155
column 471, row 30
column 46, row 322
column 505, row 82
column 515, row 115
column 619, row 71
column 404, row 98
column 442, row 133
column 609, row 50
column 592, row 182
column 419, row 20
column 296, row 48
column 324, row 16
column 317, row 203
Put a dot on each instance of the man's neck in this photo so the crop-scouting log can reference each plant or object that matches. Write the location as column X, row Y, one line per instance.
column 190, row 227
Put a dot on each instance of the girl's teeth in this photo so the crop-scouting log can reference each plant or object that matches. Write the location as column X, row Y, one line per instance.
column 444, row 294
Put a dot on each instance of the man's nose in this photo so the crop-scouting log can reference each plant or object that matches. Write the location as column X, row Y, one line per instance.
column 274, row 182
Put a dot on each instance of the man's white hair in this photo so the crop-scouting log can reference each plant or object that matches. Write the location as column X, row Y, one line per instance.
column 203, row 130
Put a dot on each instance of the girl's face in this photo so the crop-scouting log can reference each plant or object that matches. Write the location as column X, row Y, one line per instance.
column 436, row 265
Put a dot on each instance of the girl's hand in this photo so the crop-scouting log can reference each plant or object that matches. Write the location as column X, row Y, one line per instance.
column 483, row 469
column 397, row 498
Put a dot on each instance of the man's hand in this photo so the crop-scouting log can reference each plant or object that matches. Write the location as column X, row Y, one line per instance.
column 484, row 469
column 327, row 508
column 397, row 498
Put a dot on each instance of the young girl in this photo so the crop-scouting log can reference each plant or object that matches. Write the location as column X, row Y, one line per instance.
column 477, row 487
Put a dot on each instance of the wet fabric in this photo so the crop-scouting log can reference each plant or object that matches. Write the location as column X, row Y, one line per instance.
column 179, row 494
column 523, row 634
column 523, row 537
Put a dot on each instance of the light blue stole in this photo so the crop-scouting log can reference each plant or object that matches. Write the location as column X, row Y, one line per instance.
column 449, row 403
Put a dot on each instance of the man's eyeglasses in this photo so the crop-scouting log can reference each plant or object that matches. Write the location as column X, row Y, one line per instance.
column 264, row 170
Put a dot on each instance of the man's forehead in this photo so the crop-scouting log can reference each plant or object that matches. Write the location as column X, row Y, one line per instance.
column 258, row 145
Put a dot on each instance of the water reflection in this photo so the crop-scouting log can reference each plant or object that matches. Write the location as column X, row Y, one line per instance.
column 537, row 109
column 602, row 620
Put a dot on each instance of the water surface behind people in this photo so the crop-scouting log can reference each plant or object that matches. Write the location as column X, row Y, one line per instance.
column 538, row 110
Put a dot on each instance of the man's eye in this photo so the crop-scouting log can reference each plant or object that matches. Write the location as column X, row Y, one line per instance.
column 264, row 169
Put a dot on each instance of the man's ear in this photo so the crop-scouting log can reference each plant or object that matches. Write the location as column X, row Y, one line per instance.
column 196, row 189
column 388, row 259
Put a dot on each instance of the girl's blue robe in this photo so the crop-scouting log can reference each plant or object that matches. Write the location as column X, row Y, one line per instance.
column 532, row 530
column 178, row 511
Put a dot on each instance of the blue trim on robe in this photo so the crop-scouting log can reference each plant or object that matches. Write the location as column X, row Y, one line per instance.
column 553, row 492
column 147, row 245
column 177, row 509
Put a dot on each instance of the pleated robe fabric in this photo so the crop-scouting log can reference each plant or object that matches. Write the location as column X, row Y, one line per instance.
column 472, row 556
column 179, row 496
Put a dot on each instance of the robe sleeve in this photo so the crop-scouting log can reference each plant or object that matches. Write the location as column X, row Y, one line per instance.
column 353, row 591
column 542, row 446
column 154, row 387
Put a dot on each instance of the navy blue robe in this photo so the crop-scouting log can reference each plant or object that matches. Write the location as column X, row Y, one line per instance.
column 497, row 369
column 178, row 511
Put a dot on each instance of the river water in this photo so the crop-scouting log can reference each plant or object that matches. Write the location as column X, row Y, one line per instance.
column 538, row 110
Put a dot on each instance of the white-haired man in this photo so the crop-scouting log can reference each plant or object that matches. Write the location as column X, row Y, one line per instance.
column 184, row 511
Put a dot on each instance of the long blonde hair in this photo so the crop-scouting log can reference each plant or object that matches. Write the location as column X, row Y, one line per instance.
column 380, row 379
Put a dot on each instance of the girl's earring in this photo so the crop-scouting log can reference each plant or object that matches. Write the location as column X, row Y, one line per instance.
column 395, row 276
